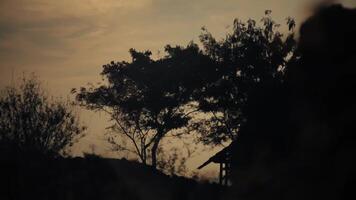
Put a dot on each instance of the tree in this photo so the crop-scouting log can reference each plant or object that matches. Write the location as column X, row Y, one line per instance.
column 249, row 58
column 32, row 124
column 310, row 137
column 147, row 99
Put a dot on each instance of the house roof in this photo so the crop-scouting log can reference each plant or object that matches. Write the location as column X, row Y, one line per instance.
column 220, row 157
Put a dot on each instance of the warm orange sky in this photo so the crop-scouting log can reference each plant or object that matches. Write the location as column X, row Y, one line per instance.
column 66, row 42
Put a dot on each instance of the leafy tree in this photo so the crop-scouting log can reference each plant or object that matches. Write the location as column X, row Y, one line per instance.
column 248, row 58
column 32, row 124
column 147, row 99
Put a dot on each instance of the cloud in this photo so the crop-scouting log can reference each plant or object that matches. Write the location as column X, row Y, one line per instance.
column 84, row 34
column 61, row 20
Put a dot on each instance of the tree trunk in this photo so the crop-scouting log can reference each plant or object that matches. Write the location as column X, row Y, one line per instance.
column 143, row 153
column 154, row 151
column 143, row 158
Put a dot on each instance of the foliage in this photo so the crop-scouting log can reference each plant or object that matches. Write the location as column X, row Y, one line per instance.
column 248, row 58
column 147, row 98
column 33, row 124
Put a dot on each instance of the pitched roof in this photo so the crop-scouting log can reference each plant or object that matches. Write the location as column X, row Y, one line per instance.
column 220, row 157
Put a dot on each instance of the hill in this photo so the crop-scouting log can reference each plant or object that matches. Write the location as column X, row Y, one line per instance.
column 97, row 178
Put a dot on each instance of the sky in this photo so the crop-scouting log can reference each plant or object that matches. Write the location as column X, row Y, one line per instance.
column 66, row 42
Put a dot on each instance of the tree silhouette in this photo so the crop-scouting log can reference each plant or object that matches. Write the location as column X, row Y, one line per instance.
column 146, row 98
column 250, row 57
column 298, row 141
column 32, row 124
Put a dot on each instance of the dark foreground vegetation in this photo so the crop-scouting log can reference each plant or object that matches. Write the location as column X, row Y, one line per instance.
column 93, row 177
column 287, row 105
column 299, row 140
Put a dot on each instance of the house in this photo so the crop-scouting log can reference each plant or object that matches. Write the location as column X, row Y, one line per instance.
column 223, row 158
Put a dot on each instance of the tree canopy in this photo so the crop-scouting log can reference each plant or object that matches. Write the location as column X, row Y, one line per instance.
column 147, row 98
column 252, row 56
column 33, row 124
